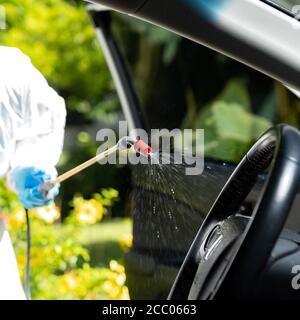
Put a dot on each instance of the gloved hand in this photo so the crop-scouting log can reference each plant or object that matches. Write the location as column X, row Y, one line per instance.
column 28, row 182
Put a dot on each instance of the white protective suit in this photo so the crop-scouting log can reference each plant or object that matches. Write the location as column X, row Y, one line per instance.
column 32, row 120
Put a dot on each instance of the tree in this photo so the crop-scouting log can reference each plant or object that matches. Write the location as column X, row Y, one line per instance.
column 60, row 41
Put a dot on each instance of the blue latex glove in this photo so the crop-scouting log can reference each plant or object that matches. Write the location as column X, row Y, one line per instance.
column 28, row 182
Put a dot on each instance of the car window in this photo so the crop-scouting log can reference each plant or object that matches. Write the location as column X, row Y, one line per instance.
column 182, row 84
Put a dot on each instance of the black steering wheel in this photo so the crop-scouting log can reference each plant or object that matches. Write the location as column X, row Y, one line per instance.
column 231, row 250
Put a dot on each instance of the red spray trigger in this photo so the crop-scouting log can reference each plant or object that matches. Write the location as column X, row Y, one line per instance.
column 142, row 148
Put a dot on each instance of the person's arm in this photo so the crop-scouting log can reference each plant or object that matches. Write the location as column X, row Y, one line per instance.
column 35, row 127
column 40, row 139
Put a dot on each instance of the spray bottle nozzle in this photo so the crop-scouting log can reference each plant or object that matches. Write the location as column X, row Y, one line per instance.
column 139, row 145
column 142, row 148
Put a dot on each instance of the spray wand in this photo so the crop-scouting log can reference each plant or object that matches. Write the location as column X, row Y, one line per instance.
column 123, row 144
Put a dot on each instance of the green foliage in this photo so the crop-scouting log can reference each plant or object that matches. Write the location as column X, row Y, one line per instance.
column 107, row 196
column 230, row 127
column 235, row 92
column 60, row 265
column 60, row 40
column 85, row 283
column 61, row 261
column 8, row 199
column 93, row 210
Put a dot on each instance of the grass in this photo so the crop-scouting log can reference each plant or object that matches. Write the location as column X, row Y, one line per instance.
column 102, row 240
